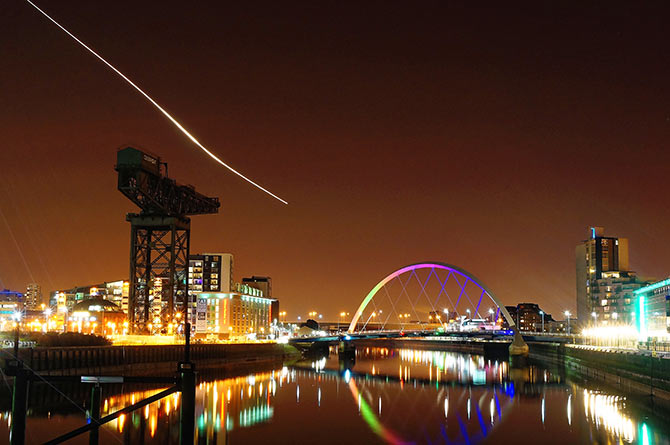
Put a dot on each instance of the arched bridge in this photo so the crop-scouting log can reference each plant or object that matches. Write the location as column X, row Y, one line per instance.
column 430, row 295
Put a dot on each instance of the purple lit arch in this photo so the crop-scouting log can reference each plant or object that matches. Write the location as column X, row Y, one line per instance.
column 453, row 270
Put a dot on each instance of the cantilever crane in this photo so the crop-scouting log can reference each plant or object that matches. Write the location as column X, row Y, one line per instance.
column 159, row 238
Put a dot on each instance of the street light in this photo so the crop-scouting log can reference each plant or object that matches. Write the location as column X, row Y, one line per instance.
column 341, row 319
column 373, row 314
column 595, row 318
column 567, row 315
column 542, row 314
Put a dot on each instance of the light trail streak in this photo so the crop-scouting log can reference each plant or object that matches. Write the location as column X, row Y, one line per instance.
column 155, row 104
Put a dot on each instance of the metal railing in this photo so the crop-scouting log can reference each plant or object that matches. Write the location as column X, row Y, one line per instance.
column 24, row 373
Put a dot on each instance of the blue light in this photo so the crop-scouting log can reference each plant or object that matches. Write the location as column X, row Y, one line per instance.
column 642, row 317
column 347, row 337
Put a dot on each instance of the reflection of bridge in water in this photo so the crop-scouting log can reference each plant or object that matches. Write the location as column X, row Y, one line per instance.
column 394, row 395
column 469, row 394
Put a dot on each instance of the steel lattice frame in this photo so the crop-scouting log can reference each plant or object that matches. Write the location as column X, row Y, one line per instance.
column 461, row 277
column 159, row 250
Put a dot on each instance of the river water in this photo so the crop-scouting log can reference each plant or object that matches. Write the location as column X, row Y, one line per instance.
column 381, row 396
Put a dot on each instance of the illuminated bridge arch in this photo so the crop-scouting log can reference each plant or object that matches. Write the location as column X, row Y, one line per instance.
column 454, row 291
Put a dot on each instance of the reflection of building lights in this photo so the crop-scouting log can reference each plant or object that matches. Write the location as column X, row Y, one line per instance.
column 256, row 414
column 153, row 424
column 604, row 410
column 121, row 422
column 569, row 409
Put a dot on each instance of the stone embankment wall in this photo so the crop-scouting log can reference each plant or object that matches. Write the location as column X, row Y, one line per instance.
column 634, row 372
column 146, row 360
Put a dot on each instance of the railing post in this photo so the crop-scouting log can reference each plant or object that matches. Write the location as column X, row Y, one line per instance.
column 186, row 371
column 17, row 433
column 95, row 414
column 187, row 342
column 187, row 414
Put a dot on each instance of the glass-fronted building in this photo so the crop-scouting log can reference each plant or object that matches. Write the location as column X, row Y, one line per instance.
column 653, row 309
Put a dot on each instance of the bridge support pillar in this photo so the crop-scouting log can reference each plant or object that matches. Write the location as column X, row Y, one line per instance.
column 346, row 352
column 346, row 348
column 518, row 350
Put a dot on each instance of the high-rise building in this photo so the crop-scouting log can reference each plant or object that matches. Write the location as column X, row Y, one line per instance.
column 597, row 257
column 614, row 299
column 33, row 297
column 208, row 272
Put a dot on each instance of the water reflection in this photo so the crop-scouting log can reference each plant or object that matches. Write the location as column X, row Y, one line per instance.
column 606, row 411
column 378, row 395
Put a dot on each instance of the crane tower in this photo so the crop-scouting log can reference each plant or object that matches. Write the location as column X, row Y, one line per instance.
column 159, row 238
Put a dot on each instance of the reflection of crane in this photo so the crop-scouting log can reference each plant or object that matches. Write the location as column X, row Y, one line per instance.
column 159, row 237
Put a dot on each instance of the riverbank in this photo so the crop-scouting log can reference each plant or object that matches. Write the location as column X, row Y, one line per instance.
column 154, row 360
column 630, row 372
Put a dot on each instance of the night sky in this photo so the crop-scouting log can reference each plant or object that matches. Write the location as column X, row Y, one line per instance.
column 485, row 137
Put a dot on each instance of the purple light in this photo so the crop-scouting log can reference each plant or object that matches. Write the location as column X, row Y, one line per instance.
column 453, row 271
